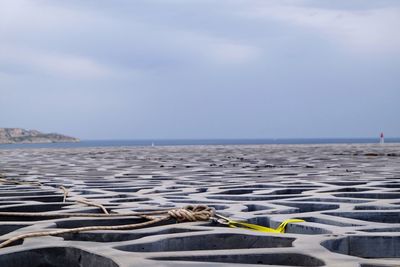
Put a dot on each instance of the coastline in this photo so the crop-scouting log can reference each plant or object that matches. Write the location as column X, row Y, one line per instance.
column 194, row 142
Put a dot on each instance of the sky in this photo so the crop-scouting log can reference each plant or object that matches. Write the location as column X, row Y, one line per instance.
column 197, row 69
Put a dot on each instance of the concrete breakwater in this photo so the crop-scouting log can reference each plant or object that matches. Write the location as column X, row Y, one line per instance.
column 348, row 195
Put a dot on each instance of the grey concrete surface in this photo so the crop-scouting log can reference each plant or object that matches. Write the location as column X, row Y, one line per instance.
column 349, row 196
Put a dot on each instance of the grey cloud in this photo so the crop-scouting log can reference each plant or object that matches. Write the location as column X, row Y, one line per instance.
column 199, row 69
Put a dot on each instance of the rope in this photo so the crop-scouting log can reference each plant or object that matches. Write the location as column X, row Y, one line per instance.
column 66, row 192
column 89, row 203
column 81, row 229
column 186, row 214
column 66, row 215
column 83, row 200
column 192, row 213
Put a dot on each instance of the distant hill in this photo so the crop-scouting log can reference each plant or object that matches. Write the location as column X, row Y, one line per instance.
column 18, row 135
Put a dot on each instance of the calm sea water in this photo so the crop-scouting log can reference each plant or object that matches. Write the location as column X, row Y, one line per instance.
column 118, row 143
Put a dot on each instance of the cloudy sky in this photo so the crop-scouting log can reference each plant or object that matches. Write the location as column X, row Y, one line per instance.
column 128, row 69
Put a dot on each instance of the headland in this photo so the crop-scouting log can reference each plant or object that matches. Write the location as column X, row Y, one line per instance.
column 19, row 135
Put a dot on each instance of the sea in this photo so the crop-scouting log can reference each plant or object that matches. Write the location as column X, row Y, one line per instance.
column 186, row 142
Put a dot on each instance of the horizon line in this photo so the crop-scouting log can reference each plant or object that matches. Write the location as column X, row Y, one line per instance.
column 239, row 138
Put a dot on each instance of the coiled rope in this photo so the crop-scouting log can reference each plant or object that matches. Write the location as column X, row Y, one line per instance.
column 185, row 214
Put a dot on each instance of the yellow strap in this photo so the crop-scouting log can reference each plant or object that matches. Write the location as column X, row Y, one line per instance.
column 254, row 227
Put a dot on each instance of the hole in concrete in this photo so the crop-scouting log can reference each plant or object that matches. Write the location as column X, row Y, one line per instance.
column 396, row 185
column 290, row 191
column 210, row 242
column 121, row 236
column 250, row 186
column 98, row 222
column 176, row 187
column 126, row 190
column 8, row 228
column 366, row 246
column 132, row 199
column 55, row 257
column 34, row 207
column 283, row 211
column 255, row 207
column 285, row 259
column 38, row 198
column 370, row 195
column 26, row 218
column 175, row 197
column 344, row 183
column 308, row 206
column 218, row 207
column 235, row 192
column 89, row 210
column 381, row 230
column 328, row 222
column 333, row 200
column 376, row 265
column 19, row 187
column 30, row 193
column 85, row 192
column 376, row 208
column 9, row 203
column 348, row 189
column 159, row 191
column 371, row 216
column 191, row 202
column 247, row 198
column 201, row 189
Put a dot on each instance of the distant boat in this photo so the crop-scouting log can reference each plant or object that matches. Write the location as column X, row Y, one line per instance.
column 382, row 139
column 152, row 144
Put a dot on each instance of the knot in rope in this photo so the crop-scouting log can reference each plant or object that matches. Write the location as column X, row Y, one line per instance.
column 192, row 213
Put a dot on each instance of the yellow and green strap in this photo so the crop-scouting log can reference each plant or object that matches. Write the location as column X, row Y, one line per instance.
column 254, row 227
